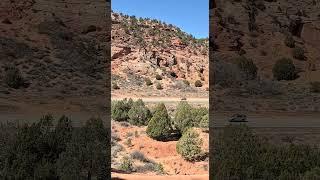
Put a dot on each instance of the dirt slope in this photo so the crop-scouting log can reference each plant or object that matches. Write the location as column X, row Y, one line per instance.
column 59, row 50
column 258, row 30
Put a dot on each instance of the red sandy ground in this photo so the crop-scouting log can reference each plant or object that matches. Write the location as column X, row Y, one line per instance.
column 173, row 177
column 162, row 152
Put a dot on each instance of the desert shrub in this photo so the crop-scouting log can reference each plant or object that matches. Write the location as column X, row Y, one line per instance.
column 262, row 87
column 226, row 74
column 128, row 142
column 238, row 153
column 298, row 53
column 231, row 19
column 284, row 69
column 129, row 134
column 159, row 86
column 139, row 114
column 126, row 164
column 204, row 123
column 120, row 109
column 159, row 168
column 241, row 52
column 115, row 138
column 50, row 149
column 129, row 102
column 136, row 134
column 197, row 114
column 315, row 87
column 186, row 82
column 260, row 5
column 159, row 127
column 183, row 118
column 198, row 83
column 151, row 167
column 45, row 169
column 13, row 78
column 115, row 149
column 147, row 167
column 235, row 152
column 91, row 139
column 247, row 67
column 285, row 175
column 253, row 43
column 115, row 86
column 173, row 74
column 189, row 146
column 289, row 41
column 158, row 77
column 139, row 156
column 148, row 82
column 124, row 124
column 312, row 174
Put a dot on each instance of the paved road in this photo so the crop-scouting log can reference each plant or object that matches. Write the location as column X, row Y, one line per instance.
column 77, row 118
column 273, row 120
column 167, row 99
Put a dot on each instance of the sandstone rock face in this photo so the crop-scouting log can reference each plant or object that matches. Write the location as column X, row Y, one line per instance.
column 156, row 48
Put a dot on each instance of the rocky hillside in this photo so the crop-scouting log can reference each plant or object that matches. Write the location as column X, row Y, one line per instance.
column 146, row 49
column 52, row 52
column 263, row 32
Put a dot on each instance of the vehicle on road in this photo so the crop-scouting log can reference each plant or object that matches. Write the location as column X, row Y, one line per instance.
column 238, row 118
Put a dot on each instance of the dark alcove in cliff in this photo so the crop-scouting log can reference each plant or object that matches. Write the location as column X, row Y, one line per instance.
column 296, row 27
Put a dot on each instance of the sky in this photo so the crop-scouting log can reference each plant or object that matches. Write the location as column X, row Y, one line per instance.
column 191, row 16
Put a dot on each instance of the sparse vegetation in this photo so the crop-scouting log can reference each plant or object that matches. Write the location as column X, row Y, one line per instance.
column 159, row 168
column 284, row 69
column 247, row 67
column 186, row 82
column 126, row 164
column 298, row 53
column 159, row 86
column 129, row 134
column 13, row 78
column 151, row 167
column 289, row 41
column 120, row 109
column 47, row 149
column 227, row 74
column 148, row 82
column 115, row 86
column 238, row 153
column 139, row 156
column 242, row 52
column 253, row 43
column 158, row 77
column 189, row 146
column 128, row 142
column 136, row 134
column 315, row 87
column 139, row 114
column 204, row 123
column 159, row 127
column 197, row 115
column 183, row 118
column 312, row 174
